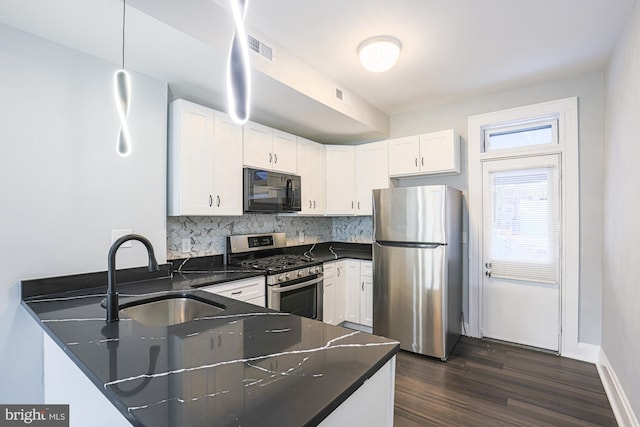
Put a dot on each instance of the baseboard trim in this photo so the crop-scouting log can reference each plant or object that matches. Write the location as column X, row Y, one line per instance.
column 617, row 398
column 582, row 351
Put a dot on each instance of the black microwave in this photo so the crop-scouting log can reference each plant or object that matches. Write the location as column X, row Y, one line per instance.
column 268, row 191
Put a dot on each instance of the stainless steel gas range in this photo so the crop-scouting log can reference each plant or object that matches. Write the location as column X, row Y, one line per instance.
column 294, row 281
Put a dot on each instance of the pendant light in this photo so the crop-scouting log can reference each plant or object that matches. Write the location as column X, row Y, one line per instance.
column 122, row 93
column 238, row 76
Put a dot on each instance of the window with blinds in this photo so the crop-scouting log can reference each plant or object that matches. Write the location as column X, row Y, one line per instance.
column 525, row 225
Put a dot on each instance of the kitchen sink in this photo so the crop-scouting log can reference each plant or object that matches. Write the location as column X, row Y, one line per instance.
column 169, row 310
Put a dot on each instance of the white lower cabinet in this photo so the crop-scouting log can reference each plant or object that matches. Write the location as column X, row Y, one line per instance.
column 366, row 293
column 359, row 293
column 333, row 292
column 348, row 292
column 250, row 290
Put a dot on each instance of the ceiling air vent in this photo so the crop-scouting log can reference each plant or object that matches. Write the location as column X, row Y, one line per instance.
column 261, row 48
column 343, row 96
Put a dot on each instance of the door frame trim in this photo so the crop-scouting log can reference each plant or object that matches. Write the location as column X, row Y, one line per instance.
column 566, row 111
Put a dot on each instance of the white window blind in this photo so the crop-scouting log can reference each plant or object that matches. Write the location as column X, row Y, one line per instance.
column 525, row 225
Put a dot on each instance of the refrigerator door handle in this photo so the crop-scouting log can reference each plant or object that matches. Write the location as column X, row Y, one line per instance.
column 410, row 244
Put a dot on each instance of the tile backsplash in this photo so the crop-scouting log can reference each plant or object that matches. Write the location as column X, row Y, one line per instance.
column 208, row 234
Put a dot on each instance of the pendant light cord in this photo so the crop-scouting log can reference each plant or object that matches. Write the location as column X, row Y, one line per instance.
column 124, row 11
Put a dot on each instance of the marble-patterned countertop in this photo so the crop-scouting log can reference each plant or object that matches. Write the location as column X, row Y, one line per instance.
column 244, row 366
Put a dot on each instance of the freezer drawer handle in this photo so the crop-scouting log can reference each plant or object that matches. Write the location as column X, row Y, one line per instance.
column 488, row 267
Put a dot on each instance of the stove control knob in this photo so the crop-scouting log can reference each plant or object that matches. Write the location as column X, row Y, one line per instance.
column 300, row 273
column 281, row 278
column 313, row 270
column 286, row 276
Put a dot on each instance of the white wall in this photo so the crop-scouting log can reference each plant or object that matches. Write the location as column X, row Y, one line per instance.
column 63, row 186
column 621, row 288
column 588, row 89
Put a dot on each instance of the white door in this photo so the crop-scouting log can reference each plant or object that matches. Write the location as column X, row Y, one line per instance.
column 520, row 251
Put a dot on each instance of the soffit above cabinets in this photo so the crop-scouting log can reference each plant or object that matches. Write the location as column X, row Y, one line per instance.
column 451, row 51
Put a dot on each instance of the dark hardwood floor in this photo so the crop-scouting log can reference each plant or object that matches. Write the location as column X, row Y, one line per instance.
column 486, row 383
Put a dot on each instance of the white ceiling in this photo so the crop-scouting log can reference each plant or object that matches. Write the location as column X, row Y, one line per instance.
column 452, row 50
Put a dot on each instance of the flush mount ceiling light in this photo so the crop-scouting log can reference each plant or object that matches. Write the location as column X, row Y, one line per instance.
column 379, row 53
column 122, row 93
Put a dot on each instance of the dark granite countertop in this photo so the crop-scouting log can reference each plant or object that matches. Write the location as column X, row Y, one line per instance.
column 246, row 365
column 331, row 251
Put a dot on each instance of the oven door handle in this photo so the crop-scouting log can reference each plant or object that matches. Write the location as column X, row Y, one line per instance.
column 278, row 289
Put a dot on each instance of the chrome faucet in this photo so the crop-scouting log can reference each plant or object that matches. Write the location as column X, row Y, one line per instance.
column 112, row 295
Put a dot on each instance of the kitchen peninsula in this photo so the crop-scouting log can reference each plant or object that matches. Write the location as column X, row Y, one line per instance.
column 244, row 365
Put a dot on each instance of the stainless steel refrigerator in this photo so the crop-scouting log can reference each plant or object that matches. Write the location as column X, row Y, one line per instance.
column 417, row 267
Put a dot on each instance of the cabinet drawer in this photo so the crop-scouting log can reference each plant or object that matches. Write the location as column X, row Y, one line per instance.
column 329, row 269
column 243, row 290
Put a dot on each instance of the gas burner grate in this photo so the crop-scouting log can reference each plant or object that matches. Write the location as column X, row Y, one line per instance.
column 276, row 262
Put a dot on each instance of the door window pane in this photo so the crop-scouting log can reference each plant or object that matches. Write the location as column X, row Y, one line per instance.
column 524, row 224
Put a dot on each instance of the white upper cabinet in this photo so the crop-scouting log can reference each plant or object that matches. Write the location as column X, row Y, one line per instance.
column 341, row 179
column 352, row 173
column 311, row 168
column 284, row 152
column 404, row 155
column 372, row 172
column 268, row 148
column 205, row 161
column 440, row 152
column 227, row 167
column 430, row 153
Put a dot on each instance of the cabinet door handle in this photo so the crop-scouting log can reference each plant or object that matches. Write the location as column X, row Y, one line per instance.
column 416, row 162
column 270, row 157
column 422, row 161
column 314, row 204
column 363, row 286
column 310, row 204
column 338, row 269
column 358, row 205
column 275, row 158
column 210, row 200
column 217, row 201
column 236, row 293
column 352, row 204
